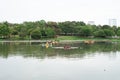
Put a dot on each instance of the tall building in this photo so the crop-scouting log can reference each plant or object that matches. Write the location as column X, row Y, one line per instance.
column 113, row 22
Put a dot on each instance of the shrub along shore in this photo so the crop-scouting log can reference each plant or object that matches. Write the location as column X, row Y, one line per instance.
column 68, row 30
column 41, row 29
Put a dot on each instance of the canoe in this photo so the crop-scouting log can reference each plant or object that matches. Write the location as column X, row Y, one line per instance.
column 65, row 48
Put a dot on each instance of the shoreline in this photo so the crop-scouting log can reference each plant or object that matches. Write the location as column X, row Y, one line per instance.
column 60, row 41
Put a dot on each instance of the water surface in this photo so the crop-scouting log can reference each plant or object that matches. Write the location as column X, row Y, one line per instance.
column 30, row 61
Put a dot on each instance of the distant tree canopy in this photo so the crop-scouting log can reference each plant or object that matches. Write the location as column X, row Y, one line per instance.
column 41, row 29
column 4, row 29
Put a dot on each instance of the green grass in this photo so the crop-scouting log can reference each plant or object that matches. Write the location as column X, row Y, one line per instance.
column 68, row 38
column 72, row 38
column 83, row 38
column 78, row 38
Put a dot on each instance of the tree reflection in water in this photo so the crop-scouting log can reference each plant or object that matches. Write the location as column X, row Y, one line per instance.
column 37, row 51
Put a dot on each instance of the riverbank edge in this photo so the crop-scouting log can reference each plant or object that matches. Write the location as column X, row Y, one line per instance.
column 60, row 41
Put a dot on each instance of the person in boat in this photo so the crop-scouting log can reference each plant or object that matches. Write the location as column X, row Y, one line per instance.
column 54, row 42
column 67, row 47
column 50, row 44
column 47, row 45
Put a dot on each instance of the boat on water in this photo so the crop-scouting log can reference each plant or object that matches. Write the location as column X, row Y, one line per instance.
column 50, row 44
column 65, row 48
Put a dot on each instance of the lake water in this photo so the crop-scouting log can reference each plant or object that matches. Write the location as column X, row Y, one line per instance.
column 30, row 61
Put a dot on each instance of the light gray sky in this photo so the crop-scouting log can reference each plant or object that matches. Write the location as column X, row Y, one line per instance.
column 100, row 11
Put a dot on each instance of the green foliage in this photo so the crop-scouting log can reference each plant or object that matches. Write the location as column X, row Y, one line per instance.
column 109, row 32
column 99, row 33
column 50, row 32
column 118, row 33
column 22, row 31
column 41, row 29
column 106, row 27
column 66, row 27
column 86, row 31
column 4, row 30
column 43, row 33
column 72, row 28
column 36, row 34
column 13, row 31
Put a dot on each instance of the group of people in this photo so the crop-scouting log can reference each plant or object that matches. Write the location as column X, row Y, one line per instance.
column 89, row 41
column 50, row 43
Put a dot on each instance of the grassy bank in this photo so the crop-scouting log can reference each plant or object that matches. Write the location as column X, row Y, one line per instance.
column 76, row 38
column 66, row 39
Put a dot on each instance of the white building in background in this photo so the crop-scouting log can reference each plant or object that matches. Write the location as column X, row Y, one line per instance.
column 113, row 22
column 91, row 22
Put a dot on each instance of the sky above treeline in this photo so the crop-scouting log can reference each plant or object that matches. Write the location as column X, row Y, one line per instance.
column 100, row 11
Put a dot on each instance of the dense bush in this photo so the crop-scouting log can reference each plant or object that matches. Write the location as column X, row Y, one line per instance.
column 40, row 29
column 36, row 34
column 99, row 33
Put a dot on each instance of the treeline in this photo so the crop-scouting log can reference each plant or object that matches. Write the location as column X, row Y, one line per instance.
column 42, row 29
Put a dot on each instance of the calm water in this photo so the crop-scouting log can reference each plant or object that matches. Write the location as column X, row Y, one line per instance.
column 25, row 61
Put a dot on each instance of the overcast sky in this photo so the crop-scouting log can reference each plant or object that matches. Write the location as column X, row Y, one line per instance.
column 100, row 11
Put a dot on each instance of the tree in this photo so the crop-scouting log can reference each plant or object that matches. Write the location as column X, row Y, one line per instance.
column 114, row 28
column 13, row 32
column 22, row 31
column 99, row 33
column 86, row 31
column 106, row 27
column 50, row 32
column 42, row 24
column 29, row 32
column 67, row 27
column 81, row 23
column 109, row 32
column 118, row 33
column 54, row 26
column 4, row 30
column 36, row 34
